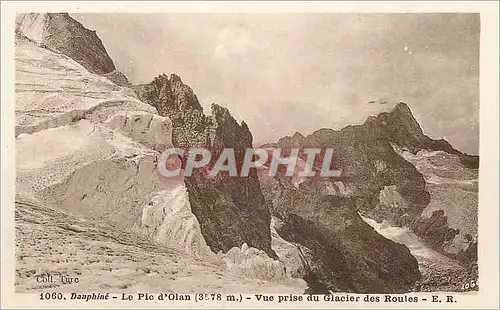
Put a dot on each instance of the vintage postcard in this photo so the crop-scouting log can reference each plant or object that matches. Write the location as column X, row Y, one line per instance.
column 250, row 155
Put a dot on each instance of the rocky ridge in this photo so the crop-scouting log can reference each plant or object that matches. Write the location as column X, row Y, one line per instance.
column 348, row 254
column 399, row 175
column 449, row 223
column 61, row 33
column 231, row 211
column 369, row 164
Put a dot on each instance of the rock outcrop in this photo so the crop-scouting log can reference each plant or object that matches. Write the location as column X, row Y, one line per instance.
column 440, row 272
column 370, row 164
column 231, row 211
column 449, row 223
column 347, row 254
column 402, row 129
column 61, row 33
column 391, row 172
column 118, row 78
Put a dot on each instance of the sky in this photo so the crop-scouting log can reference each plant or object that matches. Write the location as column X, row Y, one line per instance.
column 283, row 73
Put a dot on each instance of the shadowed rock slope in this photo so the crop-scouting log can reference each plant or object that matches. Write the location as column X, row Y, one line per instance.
column 391, row 172
column 348, row 254
column 231, row 211
column 61, row 33
column 370, row 164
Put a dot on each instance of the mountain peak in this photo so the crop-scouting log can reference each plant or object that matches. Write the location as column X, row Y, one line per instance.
column 298, row 136
column 175, row 78
column 403, row 107
column 403, row 126
column 169, row 95
column 294, row 141
column 61, row 33
column 403, row 110
column 403, row 129
column 219, row 110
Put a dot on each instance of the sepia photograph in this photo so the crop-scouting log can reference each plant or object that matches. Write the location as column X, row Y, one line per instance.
column 289, row 157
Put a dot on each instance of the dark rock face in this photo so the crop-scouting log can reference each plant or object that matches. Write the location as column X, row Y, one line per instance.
column 402, row 129
column 118, row 78
column 172, row 98
column 469, row 255
column 231, row 210
column 369, row 162
column 349, row 255
column 378, row 182
column 294, row 141
column 435, row 230
column 63, row 34
column 437, row 233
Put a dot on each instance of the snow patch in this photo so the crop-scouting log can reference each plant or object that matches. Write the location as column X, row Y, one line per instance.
column 168, row 220
column 291, row 254
column 254, row 263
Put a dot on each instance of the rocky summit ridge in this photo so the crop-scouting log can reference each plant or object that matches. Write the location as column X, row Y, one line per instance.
column 231, row 211
column 102, row 137
column 389, row 172
column 380, row 169
column 61, row 33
